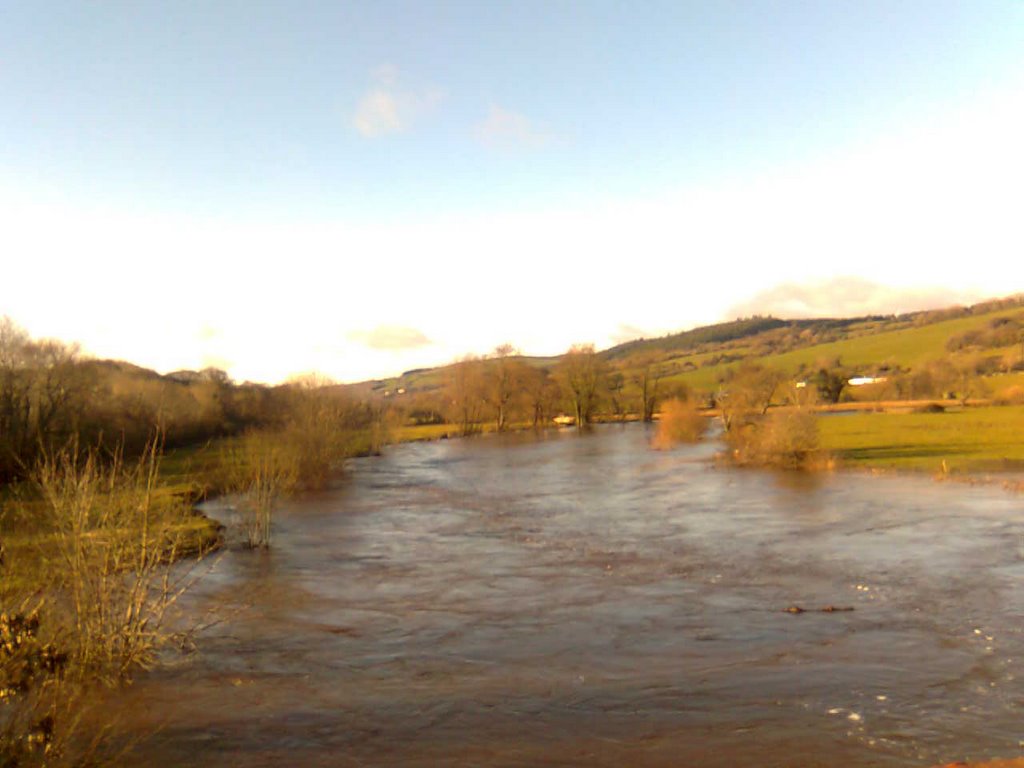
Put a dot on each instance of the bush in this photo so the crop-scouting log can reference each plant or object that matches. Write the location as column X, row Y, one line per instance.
column 787, row 439
column 259, row 469
column 114, row 531
column 1013, row 395
column 680, row 422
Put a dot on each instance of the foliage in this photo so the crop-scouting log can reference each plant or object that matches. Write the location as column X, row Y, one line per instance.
column 747, row 393
column 466, row 394
column 830, row 384
column 582, row 374
column 786, row 438
column 260, row 469
column 113, row 533
column 681, row 421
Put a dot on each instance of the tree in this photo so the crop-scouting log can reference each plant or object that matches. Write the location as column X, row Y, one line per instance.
column 466, row 394
column 503, row 382
column 830, row 384
column 967, row 378
column 615, row 383
column 581, row 373
column 747, row 391
column 646, row 375
column 43, row 388
column 15, row 392
column 542, row 395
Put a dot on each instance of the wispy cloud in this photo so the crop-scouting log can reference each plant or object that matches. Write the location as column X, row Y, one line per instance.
column 505, row 128
column 391, row 338
column 847, row 297
column 626, row 332
column 388, row 108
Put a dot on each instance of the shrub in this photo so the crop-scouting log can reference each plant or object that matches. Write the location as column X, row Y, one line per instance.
column 680, row 422
column 1013, row 395
column 259, row 469
column 787, row 438
column 114, row 532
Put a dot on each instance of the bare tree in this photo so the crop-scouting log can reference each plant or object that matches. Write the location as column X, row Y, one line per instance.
column 747, row 391
column 505, row 379
column 582, row 373
column 615, row 383
column 465, row 394
column 542, row 395
column 647, row 376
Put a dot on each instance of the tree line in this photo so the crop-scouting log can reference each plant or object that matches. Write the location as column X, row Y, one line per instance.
column 52, row 396
column 503, row 389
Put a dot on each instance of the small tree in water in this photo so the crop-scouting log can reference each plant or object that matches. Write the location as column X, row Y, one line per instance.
column 680, row 422
column 785, row 438
column 262, row 469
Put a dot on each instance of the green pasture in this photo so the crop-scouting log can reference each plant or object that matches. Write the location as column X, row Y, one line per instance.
column 906, row 347
column 971, row 440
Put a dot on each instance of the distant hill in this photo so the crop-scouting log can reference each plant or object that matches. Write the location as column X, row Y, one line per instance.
column 700, row 357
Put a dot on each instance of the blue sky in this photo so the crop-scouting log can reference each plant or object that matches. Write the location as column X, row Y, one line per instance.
column 369, row 171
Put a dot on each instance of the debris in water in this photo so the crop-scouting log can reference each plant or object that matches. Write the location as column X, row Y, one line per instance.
column 824, row 609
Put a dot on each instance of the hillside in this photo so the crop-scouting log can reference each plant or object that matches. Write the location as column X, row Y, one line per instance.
column 700, row 358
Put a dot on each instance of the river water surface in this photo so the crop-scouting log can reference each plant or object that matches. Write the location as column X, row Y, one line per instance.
column 583, row 600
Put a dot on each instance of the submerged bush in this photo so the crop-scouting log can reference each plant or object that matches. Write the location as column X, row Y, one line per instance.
column 786, row 438
column 680, row 422
column 261, row 467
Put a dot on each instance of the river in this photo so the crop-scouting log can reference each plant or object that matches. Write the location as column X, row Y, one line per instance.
column 583, row 600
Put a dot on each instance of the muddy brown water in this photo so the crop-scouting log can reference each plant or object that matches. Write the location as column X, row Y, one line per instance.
column 581, row 600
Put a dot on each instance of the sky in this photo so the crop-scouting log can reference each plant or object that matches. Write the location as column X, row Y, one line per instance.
column 363, row 188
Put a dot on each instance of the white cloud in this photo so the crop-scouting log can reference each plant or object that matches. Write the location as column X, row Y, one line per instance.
column 849, row 297
column 386, row 108
column 506, row 128
column 390, row 337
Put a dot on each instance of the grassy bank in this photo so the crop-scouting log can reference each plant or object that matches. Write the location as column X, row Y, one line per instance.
column 961, row 441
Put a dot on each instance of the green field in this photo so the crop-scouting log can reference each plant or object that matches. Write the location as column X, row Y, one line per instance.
column 906, row 347
column 972, row 440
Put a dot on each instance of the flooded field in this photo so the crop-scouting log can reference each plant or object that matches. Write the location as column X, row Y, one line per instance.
column 585, row 601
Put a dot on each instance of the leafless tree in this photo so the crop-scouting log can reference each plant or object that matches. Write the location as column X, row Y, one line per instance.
column 582, row 373
column 465, row 394
column 504, row 381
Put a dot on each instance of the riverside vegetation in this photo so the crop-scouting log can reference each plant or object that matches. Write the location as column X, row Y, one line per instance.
column 101, row 470
column 101, row 462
